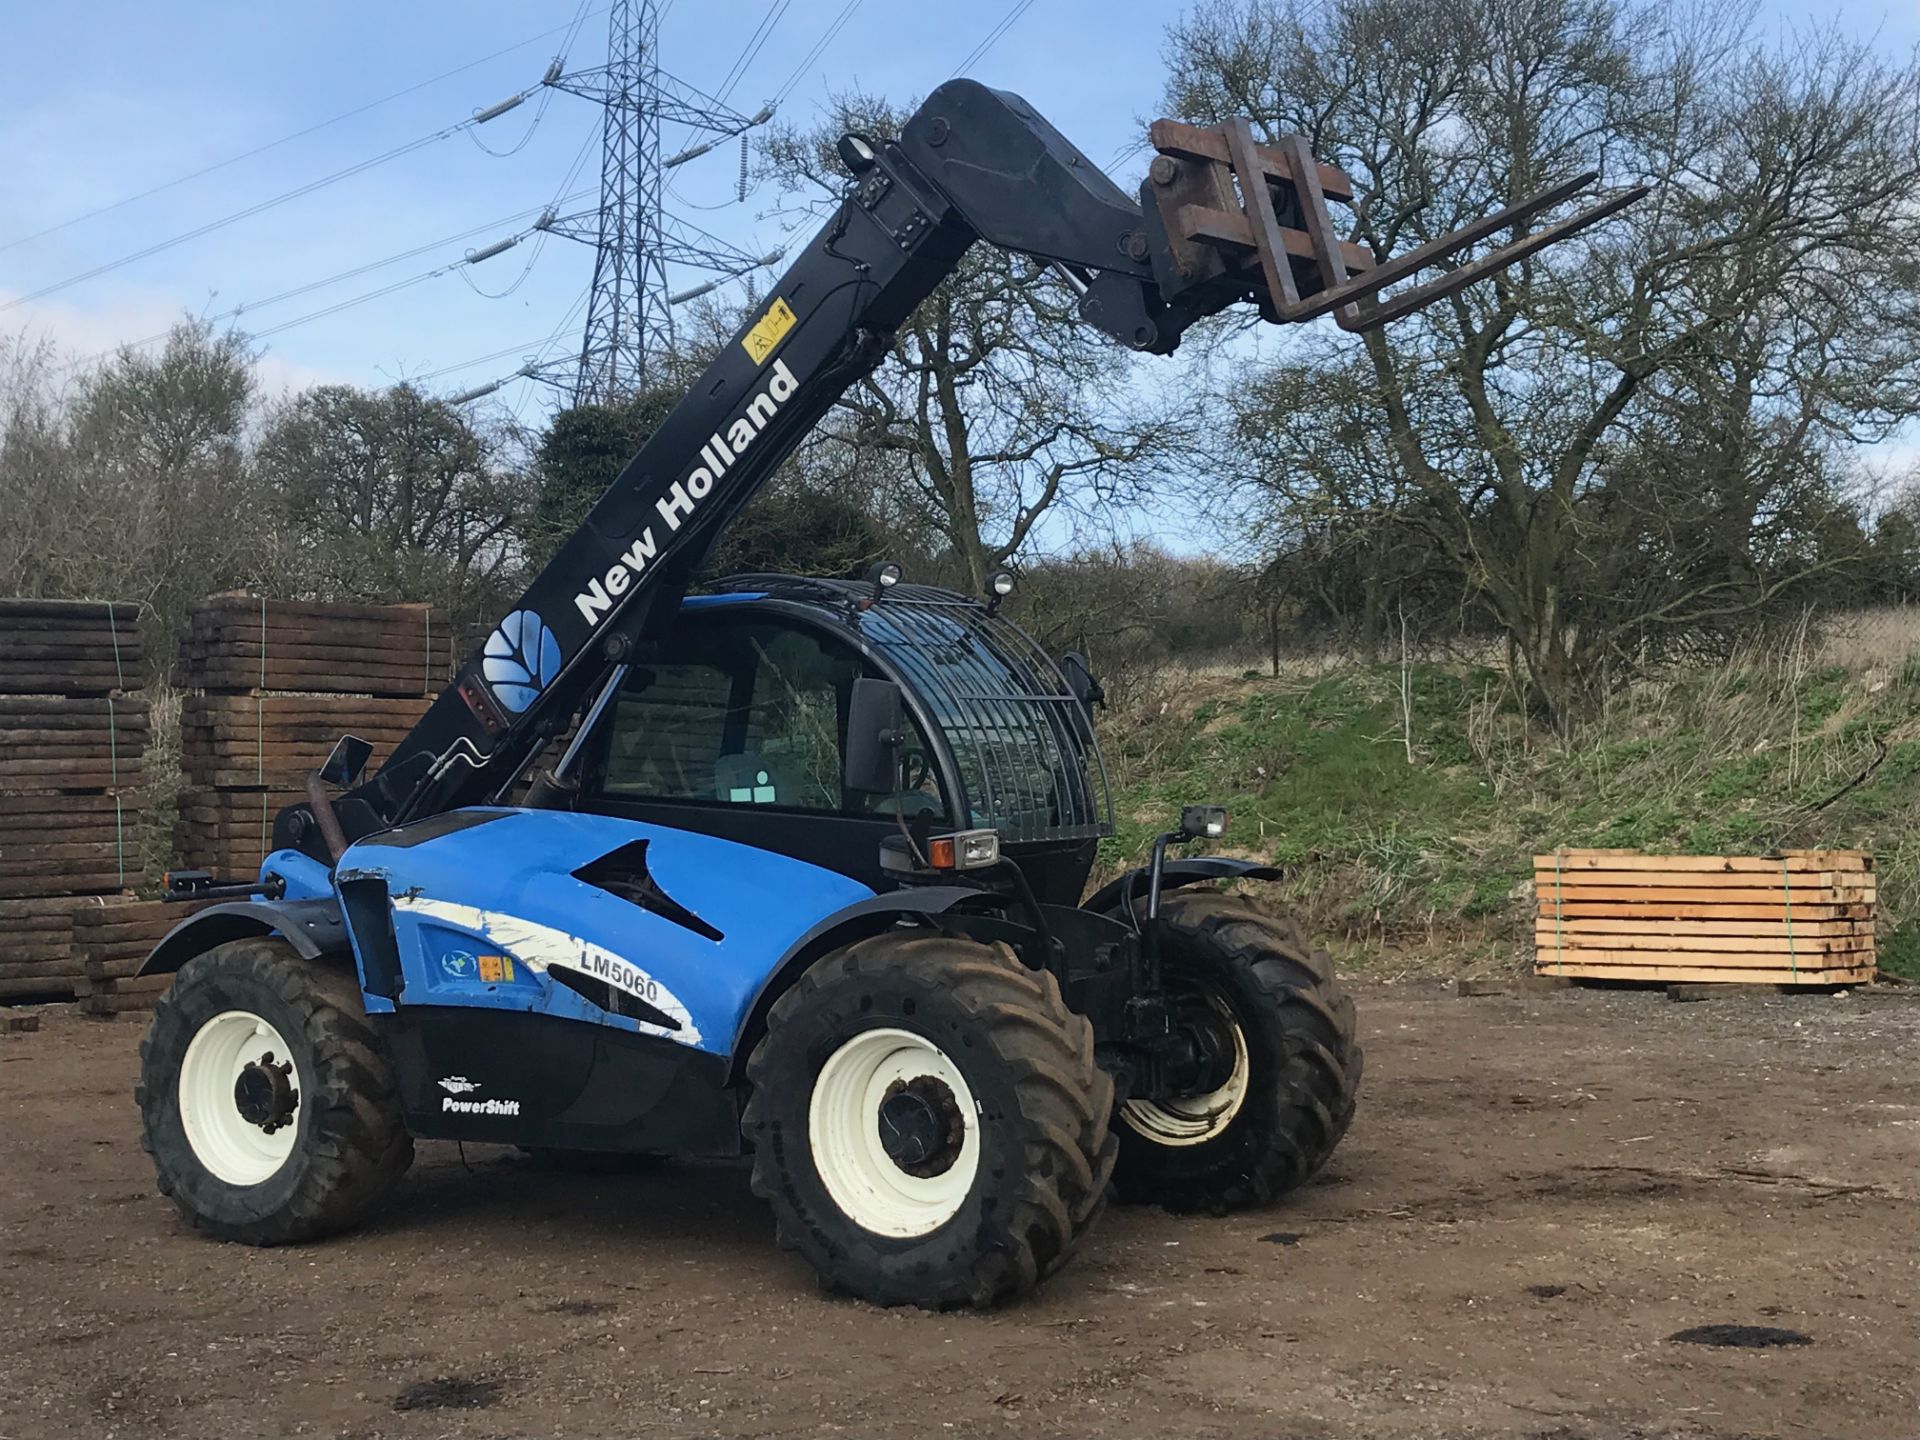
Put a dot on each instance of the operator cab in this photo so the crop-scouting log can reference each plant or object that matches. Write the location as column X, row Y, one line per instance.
column 738, row 728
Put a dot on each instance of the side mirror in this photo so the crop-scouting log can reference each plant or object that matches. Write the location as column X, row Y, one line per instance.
column 348, row 758
column 876, row 725
column 1079, row 677
column 1084, row 688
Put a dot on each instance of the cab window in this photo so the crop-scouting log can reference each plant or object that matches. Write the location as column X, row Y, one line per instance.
column 750, row 714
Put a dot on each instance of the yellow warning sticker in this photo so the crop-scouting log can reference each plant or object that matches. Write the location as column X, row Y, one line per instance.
column 496, row 970
column 768, row 331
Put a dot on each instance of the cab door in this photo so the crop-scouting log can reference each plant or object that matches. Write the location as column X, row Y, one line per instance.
column 739, row 730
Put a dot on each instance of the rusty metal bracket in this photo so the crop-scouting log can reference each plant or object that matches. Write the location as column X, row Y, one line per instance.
column 1260, row 217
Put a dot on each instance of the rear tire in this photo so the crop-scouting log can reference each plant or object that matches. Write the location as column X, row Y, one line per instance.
column 928, row 1123
column 265, row 1101
column 1288, row 1095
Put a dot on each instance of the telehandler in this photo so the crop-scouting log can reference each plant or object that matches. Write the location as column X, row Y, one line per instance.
column 805, row 879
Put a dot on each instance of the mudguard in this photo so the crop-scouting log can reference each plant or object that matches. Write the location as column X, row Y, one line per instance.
column 312, row 927
column 1175, row 874
column 854, row 922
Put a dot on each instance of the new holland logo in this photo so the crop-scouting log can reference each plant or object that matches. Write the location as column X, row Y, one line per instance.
column 520, row 660
column 717, row 456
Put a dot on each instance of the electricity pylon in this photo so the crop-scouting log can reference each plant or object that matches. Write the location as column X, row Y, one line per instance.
column 629, row 312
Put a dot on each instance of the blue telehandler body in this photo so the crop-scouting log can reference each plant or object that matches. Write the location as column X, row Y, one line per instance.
column 806, row 879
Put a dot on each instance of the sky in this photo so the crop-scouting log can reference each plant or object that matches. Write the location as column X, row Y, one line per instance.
column 104, row 100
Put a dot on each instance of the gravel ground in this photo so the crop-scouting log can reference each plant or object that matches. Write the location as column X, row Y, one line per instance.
column 1541, row 1190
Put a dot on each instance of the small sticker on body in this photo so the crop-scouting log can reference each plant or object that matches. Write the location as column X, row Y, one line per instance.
column 768, row 331
column 496, row 970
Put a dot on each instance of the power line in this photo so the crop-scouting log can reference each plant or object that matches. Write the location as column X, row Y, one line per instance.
column 239, row 215
column 979, row 51
column 546, row 98
column 354, row 300
column 527, row 370
column 750, row 52
column 248, row 307
column 301, row 134
column 819, row 48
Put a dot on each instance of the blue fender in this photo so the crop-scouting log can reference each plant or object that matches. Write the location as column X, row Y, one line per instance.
column 857, row 921
column 312, row 927
column 1194, row 870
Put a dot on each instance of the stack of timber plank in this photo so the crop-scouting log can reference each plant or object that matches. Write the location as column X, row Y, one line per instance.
column 1795, row 917
column 240, row 644
column 272, row 684
column 69, row 647
column 112, row 936
column 73, row 732
column 36, row 949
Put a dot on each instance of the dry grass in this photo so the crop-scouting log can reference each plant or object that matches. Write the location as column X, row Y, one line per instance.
column 1407, row 801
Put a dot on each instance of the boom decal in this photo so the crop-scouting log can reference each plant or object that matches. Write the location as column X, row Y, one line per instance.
column 722, row 449
column 542, row 948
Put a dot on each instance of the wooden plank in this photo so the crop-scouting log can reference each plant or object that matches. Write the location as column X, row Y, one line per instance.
column 1696, row 895
column 52, row 990
column 1545, row 937
column 1727, row 910
column 53, row 965
column 55, row 846
column 74, row 712
column 1795, row 861
column 55, row 684
column 1734, row 887
column 22, row 607
column 280, row 732
column 1746, row 880
column 1546, row 924
column 1680, row 973
column 234, row 602
column 1553, row 959
column 71, row 882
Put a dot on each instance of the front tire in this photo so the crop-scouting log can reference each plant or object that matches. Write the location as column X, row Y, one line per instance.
column 928, row 1123
column 265, row 1102
column 1282, row 1094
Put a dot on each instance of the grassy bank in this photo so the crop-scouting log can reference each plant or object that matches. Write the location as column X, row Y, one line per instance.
column 1407, row 802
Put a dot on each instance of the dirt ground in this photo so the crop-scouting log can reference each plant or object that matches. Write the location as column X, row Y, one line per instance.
column 1540, row 1191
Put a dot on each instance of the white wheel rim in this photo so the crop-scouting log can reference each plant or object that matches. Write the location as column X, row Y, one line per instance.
column 1196, row 1119
column 849, row 1153
column 232, row 1147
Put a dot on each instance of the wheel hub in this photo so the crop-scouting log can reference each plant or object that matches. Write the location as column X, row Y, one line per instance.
column 1209, row 1042
column 1210, row 1081
column 263, row 1093
column 921, row 1128
column 239, row 1096
column 894, row 1132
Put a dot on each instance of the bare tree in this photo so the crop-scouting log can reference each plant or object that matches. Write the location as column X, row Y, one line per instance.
column 1647, row 402
column 387, row 495
column 130, row 483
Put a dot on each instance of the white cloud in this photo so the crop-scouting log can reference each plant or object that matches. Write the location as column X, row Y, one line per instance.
column 124, row 315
